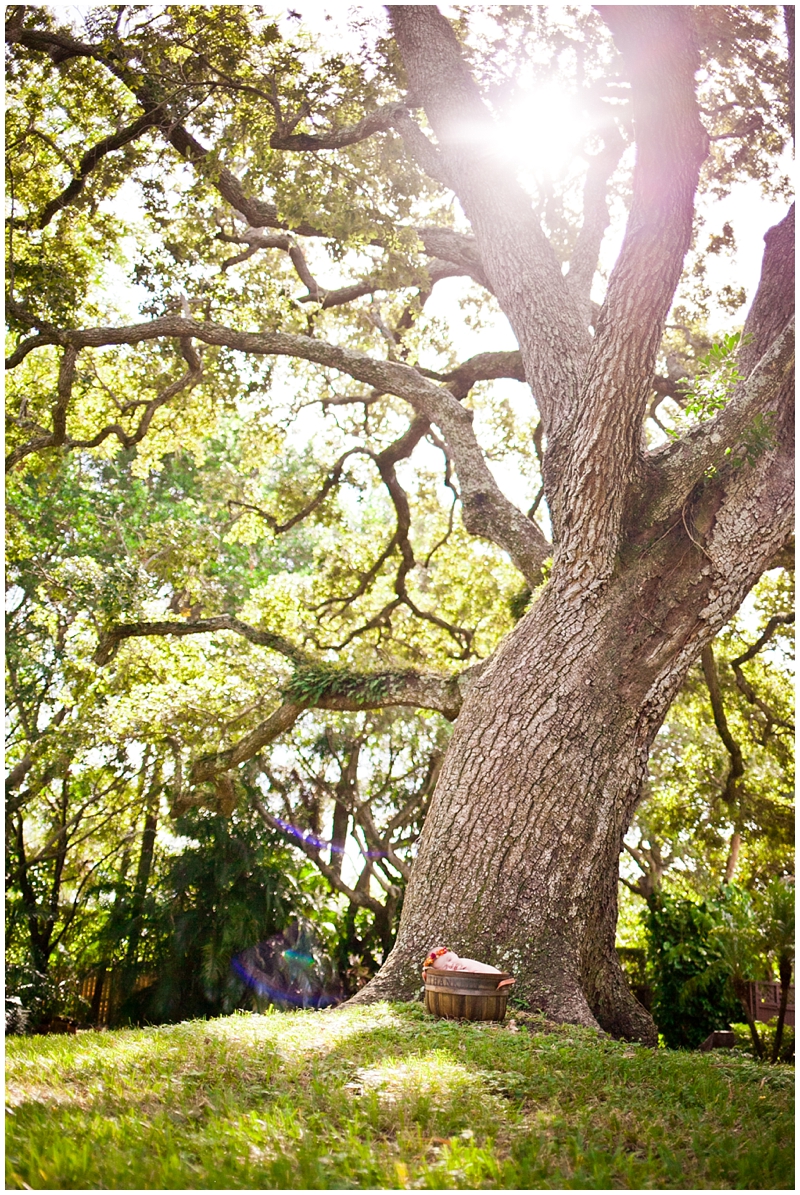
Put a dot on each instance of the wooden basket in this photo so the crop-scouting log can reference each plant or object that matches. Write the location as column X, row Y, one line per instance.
column 466, row 995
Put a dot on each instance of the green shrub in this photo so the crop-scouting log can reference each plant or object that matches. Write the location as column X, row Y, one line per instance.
column 744, row 1042
column 681, row 948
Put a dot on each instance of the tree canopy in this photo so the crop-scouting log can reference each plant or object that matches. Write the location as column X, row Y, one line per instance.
column 270, row 516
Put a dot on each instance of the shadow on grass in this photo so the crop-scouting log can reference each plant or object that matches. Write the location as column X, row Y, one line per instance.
column 386, row 1097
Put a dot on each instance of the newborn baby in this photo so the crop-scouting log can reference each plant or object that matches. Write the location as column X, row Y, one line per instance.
column 443, row 959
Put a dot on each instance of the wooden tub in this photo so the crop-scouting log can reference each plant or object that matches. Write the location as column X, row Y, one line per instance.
column 466, row 995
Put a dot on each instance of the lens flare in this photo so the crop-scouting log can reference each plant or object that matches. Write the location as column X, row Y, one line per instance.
column 291, row 969
column 321, row 844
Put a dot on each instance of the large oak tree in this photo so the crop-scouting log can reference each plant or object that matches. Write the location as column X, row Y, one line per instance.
column 652, row 548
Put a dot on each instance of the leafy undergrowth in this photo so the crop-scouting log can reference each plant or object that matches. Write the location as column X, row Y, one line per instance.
column 387, row 1097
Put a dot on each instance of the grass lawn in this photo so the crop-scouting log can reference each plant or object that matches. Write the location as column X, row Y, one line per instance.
column 387, row 1097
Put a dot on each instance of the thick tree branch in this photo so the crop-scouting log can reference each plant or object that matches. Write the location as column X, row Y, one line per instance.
column 456, row 247
column 481, row 368
column 736, row 768
column 773, row 305
column 672, row 472
column 596, row 218
column 109, row 642
column 280, row 720
column 486, row 510
column 518, row 261
column 317, row 688
column 596, row 451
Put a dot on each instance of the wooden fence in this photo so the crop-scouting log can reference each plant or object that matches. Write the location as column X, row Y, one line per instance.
column 764, row 1000
column 103, row 990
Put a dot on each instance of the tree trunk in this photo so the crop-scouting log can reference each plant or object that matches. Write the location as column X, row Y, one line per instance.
column 97, row 996
column 142, row 880
column 144, row 868
column 741, row 989
column 785, row 971
column 733, row 856
column 341, row 816
column 519, row 857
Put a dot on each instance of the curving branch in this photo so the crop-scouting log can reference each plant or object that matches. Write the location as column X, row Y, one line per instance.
column 651, row 863
column 390, row 116
column 89, row 161
column 330, row 483
column 672, row 471
column 730, row 792
column 344, row 693
column 259, row 213
column 484, row 367
column 743, row 684
column 28, row 345
column 256, row 239
column 385, row 462
column 220, row 762
column 374, row 122
column 358, row 896
column 486, row 510
column 58, row 438
column 110, row 640
column 436, row 270
column 61, row 48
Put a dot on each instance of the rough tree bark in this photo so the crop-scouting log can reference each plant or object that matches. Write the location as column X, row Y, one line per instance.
column 518, row 860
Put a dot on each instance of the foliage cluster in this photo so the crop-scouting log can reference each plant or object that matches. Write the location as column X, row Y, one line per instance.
column 768, row 1031
column 703, row 954
column 681, row 947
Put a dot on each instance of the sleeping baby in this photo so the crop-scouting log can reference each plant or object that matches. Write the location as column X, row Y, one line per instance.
column 444, row 959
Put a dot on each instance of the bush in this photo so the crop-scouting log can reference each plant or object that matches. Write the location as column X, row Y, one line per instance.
column 16, row 1016
column 33, row 996
column 233, row 889
column 682, row 947
column 766, row 1031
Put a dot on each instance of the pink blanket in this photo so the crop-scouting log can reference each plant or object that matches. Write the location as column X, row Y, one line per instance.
column 442, row 959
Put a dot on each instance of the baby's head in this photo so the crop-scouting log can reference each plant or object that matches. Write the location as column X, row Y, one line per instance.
column 436, row 953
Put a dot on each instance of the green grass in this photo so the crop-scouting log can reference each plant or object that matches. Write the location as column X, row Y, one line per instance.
column 387, row 1097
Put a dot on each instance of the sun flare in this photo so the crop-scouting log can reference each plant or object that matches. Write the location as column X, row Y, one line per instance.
column 543, row 130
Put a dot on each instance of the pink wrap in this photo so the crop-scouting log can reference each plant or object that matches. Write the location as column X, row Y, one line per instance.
column 442, row 959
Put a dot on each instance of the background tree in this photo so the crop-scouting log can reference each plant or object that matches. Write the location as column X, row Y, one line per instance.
column 719, row 791
column 779, row 941
column 234, row 135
